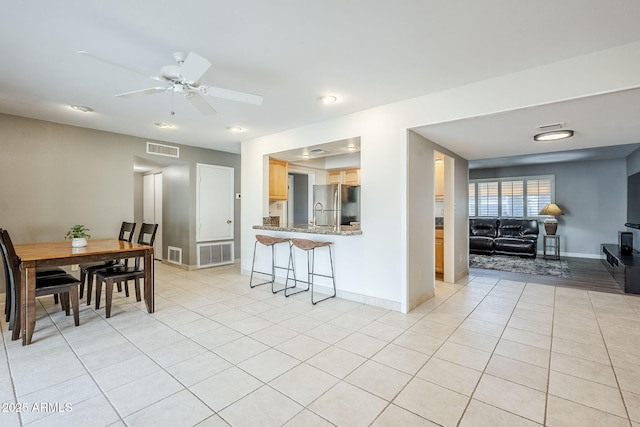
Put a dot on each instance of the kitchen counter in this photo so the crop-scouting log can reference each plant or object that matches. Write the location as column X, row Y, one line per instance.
column 343, row 230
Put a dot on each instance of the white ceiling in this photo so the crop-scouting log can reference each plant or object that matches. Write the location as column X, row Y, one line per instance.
column 605, row 126
column 365, row 53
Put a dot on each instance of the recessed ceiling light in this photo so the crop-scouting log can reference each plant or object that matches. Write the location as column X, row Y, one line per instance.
column 352, row 148
column 553, row 135
column 82, row 108
column 327, row 99
column 235, row 129
column 163, row 125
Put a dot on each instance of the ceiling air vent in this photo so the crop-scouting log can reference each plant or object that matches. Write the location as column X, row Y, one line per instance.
column 163, row 150
column 553, row 126
column 317, row 151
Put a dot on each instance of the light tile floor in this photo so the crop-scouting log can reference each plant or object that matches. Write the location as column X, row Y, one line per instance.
column 482, row 352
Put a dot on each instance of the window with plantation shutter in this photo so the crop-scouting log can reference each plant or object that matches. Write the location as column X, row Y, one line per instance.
column 538, row 195
column 488, row 200
column 512, row 198
column 521, row 197
column 472, row 199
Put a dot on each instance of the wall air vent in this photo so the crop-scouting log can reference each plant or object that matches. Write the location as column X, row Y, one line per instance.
column 163, row 150
column 212, row 254
column 175, row 255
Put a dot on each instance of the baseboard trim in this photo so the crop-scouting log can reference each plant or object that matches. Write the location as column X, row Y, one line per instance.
column 575, row 255
column 350, row 296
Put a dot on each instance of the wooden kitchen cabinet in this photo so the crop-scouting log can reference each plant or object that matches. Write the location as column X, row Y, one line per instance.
column 334, row 177
column 278, row 179
column 351, row 177
column 439, row 251
column 344, row 176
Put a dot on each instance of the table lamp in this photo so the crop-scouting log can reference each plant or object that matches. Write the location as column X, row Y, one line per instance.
column 551, row 224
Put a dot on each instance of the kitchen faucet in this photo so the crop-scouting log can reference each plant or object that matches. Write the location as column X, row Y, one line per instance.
column 315, row 209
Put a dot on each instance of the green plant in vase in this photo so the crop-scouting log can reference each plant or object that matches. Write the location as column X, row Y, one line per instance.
column 78, row 235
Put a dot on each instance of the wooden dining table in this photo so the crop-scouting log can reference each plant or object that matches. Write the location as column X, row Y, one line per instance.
column 35, row 255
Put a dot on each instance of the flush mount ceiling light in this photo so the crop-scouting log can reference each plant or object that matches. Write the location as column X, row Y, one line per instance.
column 162, row 125
column 553, row 135
column 327, row 99
column 82, row 108
column 235, row 129
column 552, row 132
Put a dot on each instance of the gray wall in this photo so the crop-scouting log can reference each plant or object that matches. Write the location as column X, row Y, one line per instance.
column 592, row 194
column 175, row 212
column 54, row 176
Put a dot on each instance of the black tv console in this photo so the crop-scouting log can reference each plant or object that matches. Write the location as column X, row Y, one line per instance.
column 625, row 269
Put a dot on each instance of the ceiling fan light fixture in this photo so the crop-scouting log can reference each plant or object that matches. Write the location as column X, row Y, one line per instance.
column 327, row 99
column 82, row 108
column 553, row 135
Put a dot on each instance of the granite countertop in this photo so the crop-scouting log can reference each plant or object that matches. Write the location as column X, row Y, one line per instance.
column 343, row 230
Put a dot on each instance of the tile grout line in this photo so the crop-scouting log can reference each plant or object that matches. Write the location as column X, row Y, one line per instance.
column 8, row 364
column 615, row 375
column 475, row 388
column 553, row 323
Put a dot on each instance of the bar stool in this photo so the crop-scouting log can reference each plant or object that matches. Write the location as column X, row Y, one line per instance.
column 309, row 246
column 271, row 242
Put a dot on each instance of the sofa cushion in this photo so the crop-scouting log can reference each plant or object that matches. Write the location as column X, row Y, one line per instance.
column 515, row 246
column 487, row 227
column 518, row 228
column 510, row 228
column 482, row 243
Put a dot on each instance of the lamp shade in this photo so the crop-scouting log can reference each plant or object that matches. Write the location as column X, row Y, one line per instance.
column 551, row 209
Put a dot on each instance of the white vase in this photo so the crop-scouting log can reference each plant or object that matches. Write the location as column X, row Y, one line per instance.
column 78, row 242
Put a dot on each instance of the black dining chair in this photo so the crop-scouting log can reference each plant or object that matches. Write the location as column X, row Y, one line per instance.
column 87, row 271
column 64, row 284
column 10, row 297
column 123, row 273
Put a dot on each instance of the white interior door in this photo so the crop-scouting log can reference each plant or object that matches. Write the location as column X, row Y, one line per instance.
column 214, row 203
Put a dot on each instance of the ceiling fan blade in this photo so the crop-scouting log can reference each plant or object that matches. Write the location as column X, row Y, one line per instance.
column 143, row 92
column 194, row 67
column 200, row 104
column 232, row 95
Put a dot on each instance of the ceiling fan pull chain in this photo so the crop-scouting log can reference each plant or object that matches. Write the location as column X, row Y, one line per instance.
column 173, row 113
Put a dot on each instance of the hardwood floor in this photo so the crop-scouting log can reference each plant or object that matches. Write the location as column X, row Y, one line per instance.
column 587, row 274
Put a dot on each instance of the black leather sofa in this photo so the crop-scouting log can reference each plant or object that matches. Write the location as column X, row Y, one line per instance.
column 504, row 236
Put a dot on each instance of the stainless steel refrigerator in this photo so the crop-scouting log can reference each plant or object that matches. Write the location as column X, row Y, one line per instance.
column 336, row 204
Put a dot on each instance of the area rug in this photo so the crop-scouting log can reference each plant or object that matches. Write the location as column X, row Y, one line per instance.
column 514, row 264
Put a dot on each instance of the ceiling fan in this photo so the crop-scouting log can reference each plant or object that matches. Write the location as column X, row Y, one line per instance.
column 184, row 79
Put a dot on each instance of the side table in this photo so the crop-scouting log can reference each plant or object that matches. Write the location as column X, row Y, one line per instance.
column 551, row 244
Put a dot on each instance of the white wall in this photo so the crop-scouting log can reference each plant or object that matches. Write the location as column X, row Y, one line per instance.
column 385, row 269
